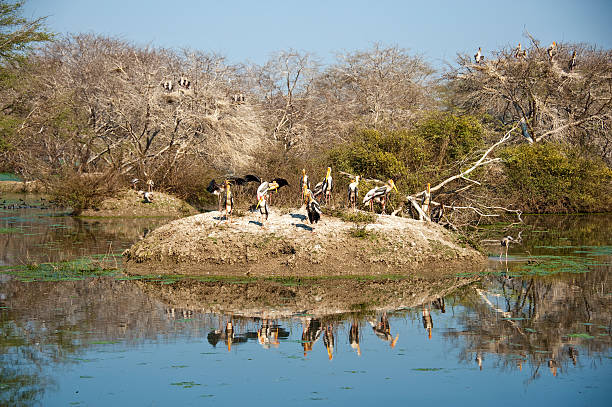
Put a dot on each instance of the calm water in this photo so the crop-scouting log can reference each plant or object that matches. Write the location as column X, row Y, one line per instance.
column 535, row 330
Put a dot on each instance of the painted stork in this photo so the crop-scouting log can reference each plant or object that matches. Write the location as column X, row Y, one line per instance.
column 519, row 52
column 312, row 207
column 229, row 202
column 437, row 213
column 379, row 194
column 150, row 184
column 426, row 200
column 325, row 187
column 478, row 57
column 304, row 182
column 219, row 190
column 147, row 197
column 329, row 341
column 353, row 192
column 505, row 243
column 552, row 51
column 572, row 62
column 262, row 194
column 134, row 182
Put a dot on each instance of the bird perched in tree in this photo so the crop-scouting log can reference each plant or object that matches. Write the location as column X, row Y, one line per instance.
column 525, row 131
column 325, row 187
column 478, row 57
column 353, row 192
column 167, row 85
column 519, row 52
column 304, row 182
column 262, row 194
column 379, row 194
column 184, row 83
column 312, row 207
column 552, row 51
column 572, row 62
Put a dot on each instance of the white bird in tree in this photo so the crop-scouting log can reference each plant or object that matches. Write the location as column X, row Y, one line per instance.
column 380, row 194
column 478, row 57
column 552, row 51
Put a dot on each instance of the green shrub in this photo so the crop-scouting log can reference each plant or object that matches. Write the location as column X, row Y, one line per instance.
column 553, row 177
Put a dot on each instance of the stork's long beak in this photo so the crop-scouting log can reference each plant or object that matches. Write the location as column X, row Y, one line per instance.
column 394, row 187
column 259, row 203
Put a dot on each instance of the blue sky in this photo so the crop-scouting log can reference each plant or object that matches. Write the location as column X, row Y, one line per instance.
column 251, row 30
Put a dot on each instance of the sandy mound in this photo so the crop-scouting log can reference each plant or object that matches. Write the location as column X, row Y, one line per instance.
column 205, row 244
column 130, row 204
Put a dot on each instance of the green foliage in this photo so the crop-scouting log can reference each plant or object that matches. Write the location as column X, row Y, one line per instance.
column 552, row 177
column 17, row 34
column 410, row 157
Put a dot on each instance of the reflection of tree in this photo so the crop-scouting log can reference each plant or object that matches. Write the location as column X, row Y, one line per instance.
column 539, row 320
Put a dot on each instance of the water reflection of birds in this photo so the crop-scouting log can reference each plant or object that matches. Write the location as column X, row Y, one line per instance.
column 438, row 304
column 552, row 366
column 329, row 340
column 226, row 335
column 479, row 360
column 311, row 331
column 427, row 321
column 382, row 329
column 354, row 337
column 269, row 334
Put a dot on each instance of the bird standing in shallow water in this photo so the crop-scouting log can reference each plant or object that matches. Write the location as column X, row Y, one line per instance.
column 505, row 243
column 380, row 194
column 353, row 192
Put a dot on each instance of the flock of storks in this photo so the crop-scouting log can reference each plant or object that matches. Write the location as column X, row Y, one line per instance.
column 322, row 191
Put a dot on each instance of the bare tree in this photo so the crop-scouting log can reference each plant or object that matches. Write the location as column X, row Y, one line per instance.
column 565, row 97
column 105, row 103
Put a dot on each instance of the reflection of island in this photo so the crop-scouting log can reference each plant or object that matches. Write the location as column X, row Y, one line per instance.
column 536, row 325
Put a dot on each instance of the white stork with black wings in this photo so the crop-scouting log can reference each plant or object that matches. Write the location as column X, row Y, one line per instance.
column 379, row 194
column 262, row 194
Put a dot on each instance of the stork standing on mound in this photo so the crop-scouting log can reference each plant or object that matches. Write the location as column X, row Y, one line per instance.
column 379, row 194
column 353, row 192
column 219, row 190
column 312, row 207
column 229, row 202
column 304, row 182
column 325, row 187
column 262, row 195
